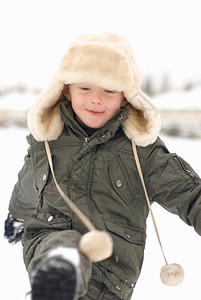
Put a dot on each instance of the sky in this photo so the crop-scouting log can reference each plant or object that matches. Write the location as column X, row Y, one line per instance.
column 165, row 35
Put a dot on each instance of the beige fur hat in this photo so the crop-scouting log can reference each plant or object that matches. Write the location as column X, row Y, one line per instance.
column 102, row 59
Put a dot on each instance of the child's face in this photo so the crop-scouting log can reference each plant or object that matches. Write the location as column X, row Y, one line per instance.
column 92, row 104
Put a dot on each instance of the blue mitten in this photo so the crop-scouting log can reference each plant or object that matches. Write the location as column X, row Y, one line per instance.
column 13, row 229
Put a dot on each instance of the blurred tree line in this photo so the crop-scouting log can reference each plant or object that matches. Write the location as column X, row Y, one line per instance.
column 150, row 85
column 19, row 88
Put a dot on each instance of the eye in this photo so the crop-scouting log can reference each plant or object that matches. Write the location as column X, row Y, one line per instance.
column 85, row 88
column 109, row 91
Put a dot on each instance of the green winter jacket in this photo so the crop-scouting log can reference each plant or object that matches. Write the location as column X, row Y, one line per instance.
column 99, row 175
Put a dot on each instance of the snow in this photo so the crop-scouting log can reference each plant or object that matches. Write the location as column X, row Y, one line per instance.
column 180, row 242
column 66, row 253
column 179, row 100
column 17, row 101
column 13, row 148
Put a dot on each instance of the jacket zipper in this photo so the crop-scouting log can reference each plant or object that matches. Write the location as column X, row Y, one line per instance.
column 86, row 140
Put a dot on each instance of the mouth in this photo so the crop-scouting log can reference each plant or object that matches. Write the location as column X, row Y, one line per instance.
column 95, row 113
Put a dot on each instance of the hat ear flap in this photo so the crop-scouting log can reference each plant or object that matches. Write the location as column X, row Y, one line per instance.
column 43, row 119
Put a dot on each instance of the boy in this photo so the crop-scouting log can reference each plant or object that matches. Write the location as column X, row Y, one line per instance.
column 91, row 114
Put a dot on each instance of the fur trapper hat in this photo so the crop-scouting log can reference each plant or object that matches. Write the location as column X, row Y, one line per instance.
column 102, row 59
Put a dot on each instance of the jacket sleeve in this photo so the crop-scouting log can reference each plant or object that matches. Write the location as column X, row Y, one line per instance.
column 25, row 194
column 173, row 183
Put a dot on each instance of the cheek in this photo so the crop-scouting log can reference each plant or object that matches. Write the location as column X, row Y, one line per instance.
column 77, row 102
column 115, row 105
column 112, row 110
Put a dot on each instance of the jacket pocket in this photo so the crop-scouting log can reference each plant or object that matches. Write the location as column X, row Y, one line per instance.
column 134, row 234
column 53, row 218
column 128, row 253
column 43, row 222
column 120, row 181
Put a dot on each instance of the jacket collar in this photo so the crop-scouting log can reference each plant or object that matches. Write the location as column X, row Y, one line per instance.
column 107, row 131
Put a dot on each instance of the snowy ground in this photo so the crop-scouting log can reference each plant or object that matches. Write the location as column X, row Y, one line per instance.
column 181, row 244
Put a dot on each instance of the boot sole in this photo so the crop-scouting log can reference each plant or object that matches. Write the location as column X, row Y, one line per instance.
column 54, row 280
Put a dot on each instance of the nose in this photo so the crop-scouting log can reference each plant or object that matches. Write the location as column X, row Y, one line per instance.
column 96, row 98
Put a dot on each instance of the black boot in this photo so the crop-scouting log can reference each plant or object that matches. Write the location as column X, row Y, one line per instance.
column 55, row 277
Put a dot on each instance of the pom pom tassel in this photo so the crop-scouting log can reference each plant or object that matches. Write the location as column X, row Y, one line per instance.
column 96, row 245
column 172, row 274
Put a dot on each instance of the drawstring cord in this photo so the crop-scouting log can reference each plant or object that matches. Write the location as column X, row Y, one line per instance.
column 147, row 197
column 82, row 217
column 98, row 245
column 74, row 208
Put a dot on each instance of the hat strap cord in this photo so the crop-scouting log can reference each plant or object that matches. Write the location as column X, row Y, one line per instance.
column 82, row 217
column 73, row 207
column 147, row 197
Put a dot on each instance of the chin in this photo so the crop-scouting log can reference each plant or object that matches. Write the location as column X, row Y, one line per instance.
column 96, row 126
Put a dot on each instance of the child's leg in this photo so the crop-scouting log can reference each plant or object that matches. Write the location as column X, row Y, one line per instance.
column 46, row 259
column 98, row 290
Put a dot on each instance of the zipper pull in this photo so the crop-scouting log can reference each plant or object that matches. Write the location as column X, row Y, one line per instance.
column 86, row 140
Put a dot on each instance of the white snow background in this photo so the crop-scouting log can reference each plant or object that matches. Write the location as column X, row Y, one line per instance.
column 165, row 37
column 181, row 244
